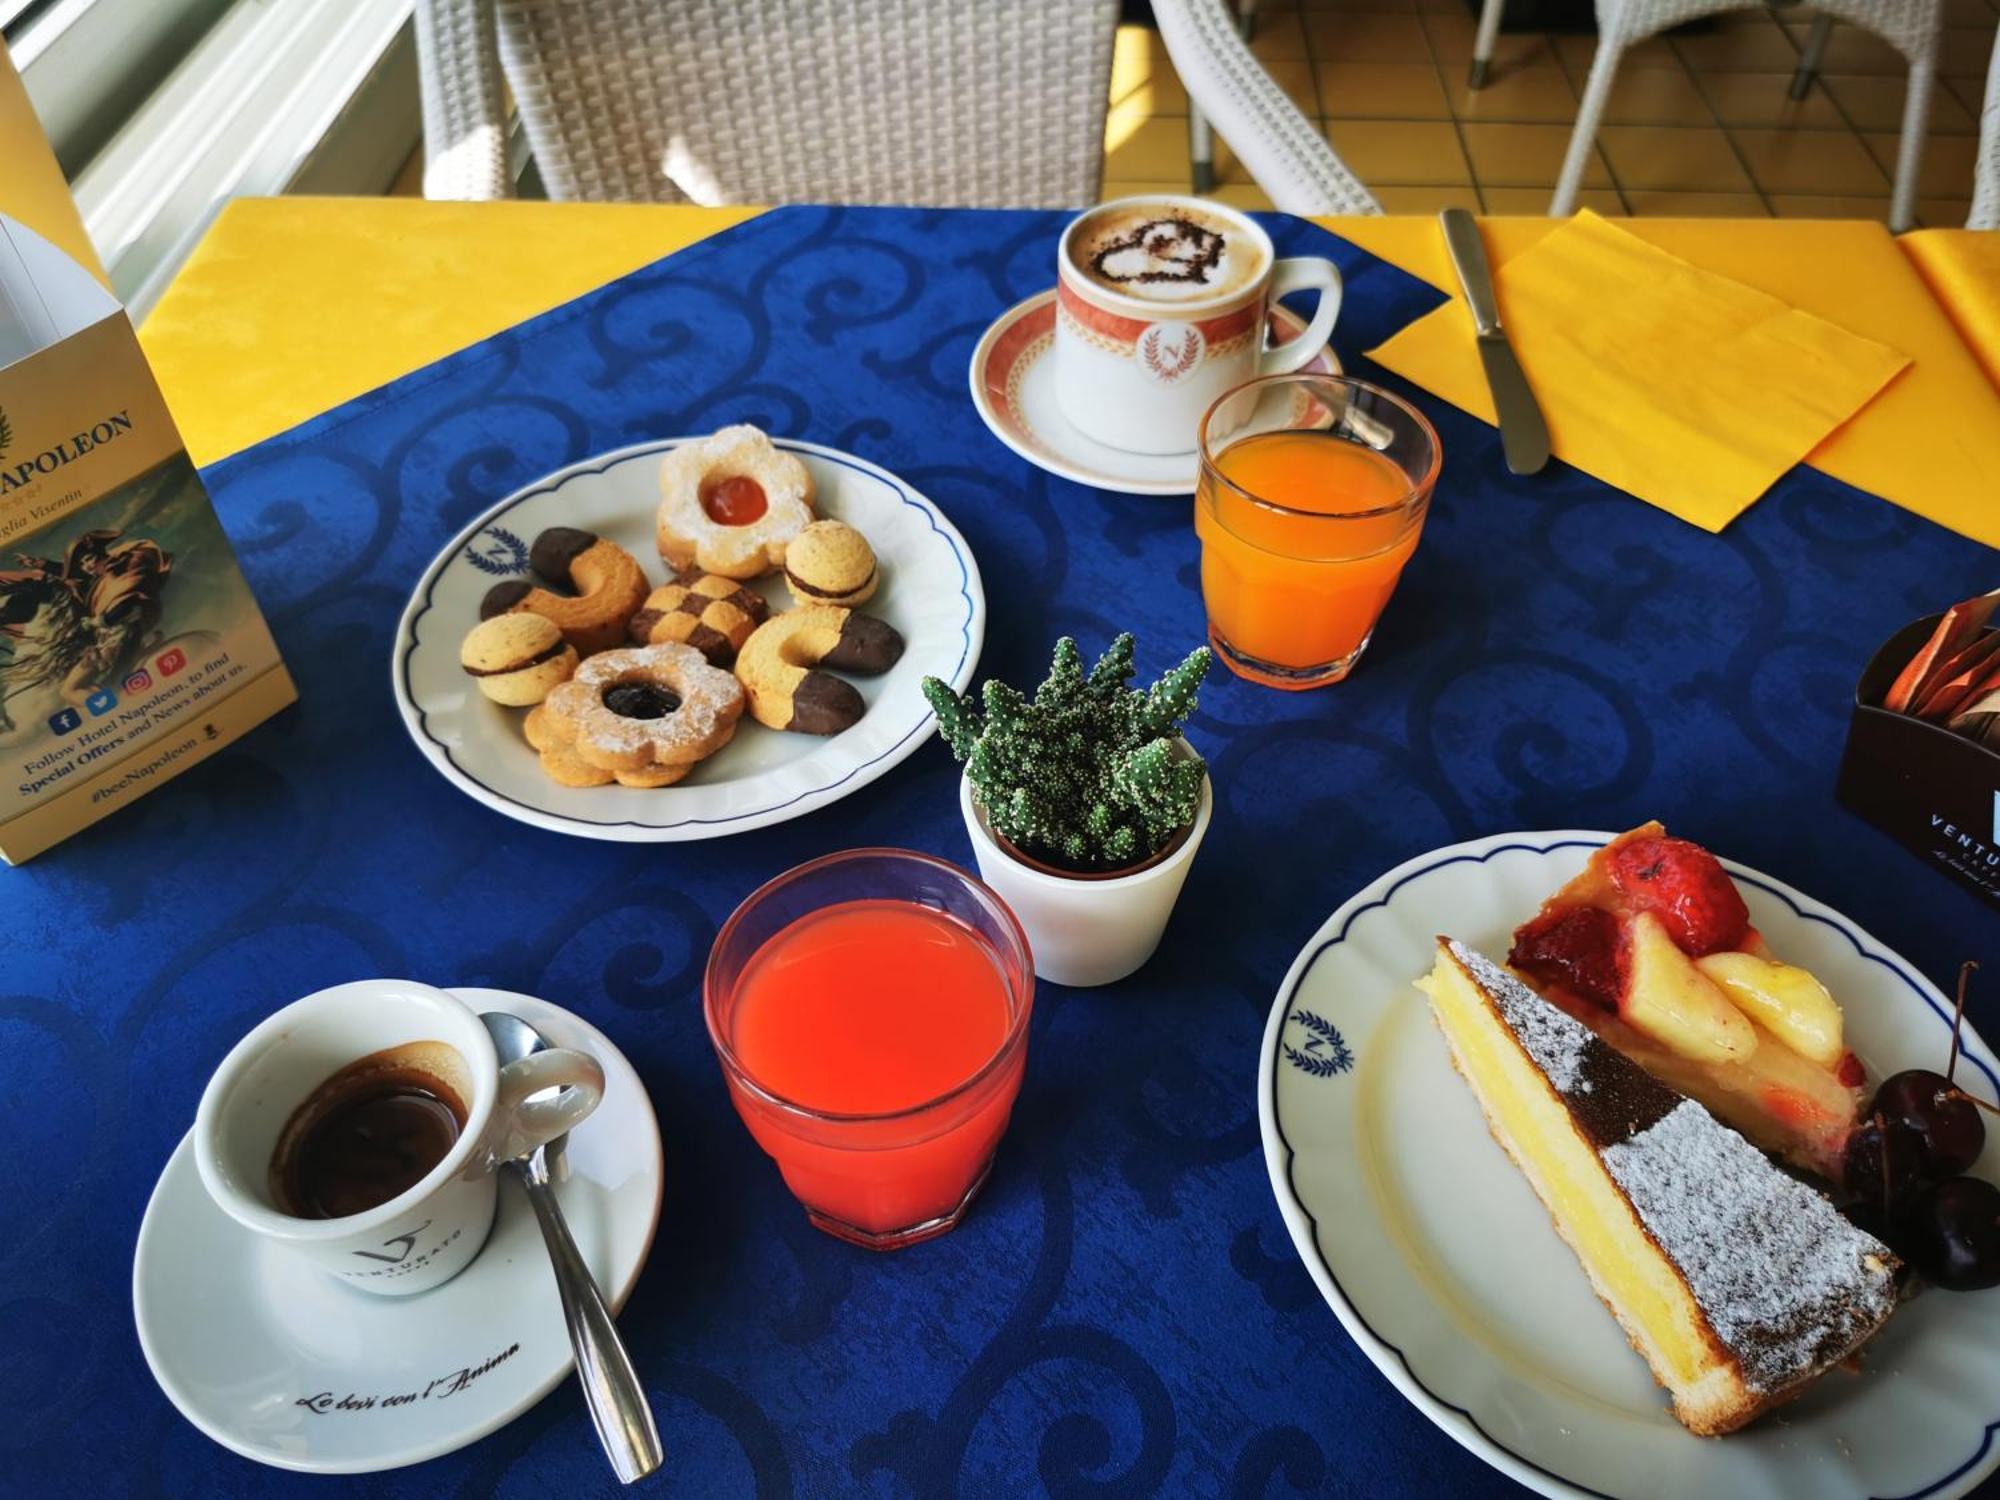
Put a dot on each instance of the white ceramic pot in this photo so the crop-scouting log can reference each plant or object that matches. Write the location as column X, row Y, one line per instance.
column 1086, row 931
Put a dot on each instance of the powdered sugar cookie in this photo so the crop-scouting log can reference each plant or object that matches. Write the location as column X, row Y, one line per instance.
column 730, row 503
column 636, row 716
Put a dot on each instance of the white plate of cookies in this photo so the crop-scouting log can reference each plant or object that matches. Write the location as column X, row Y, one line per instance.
column 688, row 638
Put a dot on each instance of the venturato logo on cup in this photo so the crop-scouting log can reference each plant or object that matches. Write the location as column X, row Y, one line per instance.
column 1161, row 307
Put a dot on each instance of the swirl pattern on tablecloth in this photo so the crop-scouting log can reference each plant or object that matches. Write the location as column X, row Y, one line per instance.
column 1121, row 1313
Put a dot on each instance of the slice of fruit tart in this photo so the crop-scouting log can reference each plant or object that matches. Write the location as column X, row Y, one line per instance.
column 1738, row 1283
column 1652, row 948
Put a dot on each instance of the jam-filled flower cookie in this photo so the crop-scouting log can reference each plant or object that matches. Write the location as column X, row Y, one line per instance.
column 715, row 615
column 831, row 563
column 645, row 716
column 730, row 503
column 606, row 588
column 516, row 660
column 779, row 667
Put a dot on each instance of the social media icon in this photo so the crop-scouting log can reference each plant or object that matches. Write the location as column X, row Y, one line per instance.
column 65, row 721
column 171, row 662
column 139, row 681
column 101, row 702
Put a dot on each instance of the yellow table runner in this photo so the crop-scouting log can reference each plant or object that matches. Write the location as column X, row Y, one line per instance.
column 290, row 306
column 1963, row 269
column 1684, row 388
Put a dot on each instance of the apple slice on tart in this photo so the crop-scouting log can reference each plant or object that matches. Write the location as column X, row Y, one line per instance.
column 1652, row 948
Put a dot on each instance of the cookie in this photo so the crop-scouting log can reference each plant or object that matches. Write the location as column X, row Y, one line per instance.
column 558, row 754
column 715, row 615
column 778, row 667
column 604, row 582
column 562, row 765
column 831, row 563
column 516, row 659
column 731, row 503
column 644, row 716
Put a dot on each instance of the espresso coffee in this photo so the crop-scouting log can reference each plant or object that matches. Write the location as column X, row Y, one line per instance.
column 1165, row 252
column 371, row 1131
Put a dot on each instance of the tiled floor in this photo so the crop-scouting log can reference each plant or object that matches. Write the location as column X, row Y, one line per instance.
column 1698, row 124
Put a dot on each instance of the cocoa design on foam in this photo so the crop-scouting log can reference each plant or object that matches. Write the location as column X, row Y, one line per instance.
column 1192, row 251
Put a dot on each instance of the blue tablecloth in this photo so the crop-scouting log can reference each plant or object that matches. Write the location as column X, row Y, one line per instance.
column 1122, row 1313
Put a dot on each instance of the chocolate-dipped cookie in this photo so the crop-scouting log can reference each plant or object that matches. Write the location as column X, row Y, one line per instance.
column 605, row 583
column 779, row 667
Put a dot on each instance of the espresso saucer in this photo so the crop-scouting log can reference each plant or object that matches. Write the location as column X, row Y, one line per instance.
column 1014, row 388
column 280, row 1363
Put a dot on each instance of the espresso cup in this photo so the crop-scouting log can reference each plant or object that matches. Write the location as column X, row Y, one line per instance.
column 1160, row 309
column 428, row 1233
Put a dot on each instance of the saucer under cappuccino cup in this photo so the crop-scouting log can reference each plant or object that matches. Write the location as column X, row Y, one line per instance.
column 361, row 1128
column 1161, row 307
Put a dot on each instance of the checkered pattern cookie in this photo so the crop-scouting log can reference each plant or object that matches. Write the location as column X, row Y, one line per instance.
column 712, row 614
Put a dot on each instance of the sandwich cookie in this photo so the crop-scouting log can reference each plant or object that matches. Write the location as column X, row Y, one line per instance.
column 517, row 660
column 831, row 563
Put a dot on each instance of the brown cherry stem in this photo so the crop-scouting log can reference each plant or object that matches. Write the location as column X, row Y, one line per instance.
column 1965, row 972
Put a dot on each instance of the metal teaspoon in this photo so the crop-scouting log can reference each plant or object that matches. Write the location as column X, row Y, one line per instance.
column 611, row 1390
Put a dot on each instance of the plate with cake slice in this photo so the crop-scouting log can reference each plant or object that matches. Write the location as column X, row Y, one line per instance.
column 1600, row 1146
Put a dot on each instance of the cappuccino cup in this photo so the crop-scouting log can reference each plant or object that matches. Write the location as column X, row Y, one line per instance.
column 1161, row 307
column 386, row 1090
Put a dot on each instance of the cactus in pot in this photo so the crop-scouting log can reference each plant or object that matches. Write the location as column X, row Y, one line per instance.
column 1089, row 775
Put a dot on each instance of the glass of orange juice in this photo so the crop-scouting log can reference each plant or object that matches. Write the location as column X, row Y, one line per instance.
column 1312, row 494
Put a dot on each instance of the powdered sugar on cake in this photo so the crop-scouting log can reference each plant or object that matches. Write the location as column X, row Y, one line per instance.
column 1557, row 1042
column 1787, row 1283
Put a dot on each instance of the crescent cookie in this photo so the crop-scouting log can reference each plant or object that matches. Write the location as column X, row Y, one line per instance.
column 607, row 586
column 831, row 563
column 731, row 503
column 644, row 716
column 778, row 667
column 715, row 615
column 516, row 659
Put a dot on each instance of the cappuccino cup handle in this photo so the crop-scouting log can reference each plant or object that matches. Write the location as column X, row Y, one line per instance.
column 1300, row 274
column 522, row 1123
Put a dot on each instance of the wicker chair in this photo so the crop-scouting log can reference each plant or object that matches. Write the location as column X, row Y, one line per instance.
column 1283, row 150
column 1001, row 102
column 1912, row 27
column 1986, row 173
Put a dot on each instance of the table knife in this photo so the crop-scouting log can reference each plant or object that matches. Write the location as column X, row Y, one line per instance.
column 1524, row 436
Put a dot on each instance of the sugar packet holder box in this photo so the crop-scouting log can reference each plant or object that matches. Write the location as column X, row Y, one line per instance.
column 1934, row 791
column 131, row 648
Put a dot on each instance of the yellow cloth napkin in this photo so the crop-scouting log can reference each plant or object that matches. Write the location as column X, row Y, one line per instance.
column 1963, row 269
column 1690, row 390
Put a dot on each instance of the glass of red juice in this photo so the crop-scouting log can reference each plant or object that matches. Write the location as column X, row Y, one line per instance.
column 870, row 1010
